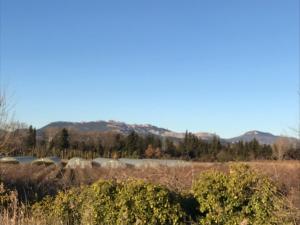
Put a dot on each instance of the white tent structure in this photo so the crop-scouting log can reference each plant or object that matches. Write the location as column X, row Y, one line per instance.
column 165, row 162
column 47, row 161
column 133, row 162
column 9, row 160
column 108, row 163
column 78, row 163
column 138, row 163
column 98, row 162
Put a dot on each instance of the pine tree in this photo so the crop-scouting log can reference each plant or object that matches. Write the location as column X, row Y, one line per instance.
column 63, row 140
column 215, row 146
column 170, row 148
column 31, row 138
column 132, row 145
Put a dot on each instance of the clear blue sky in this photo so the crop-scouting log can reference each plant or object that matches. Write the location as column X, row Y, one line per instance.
column 203, row 65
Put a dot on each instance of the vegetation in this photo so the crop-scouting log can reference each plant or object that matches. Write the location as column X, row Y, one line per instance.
column 241, row 196
column 68, row 143
column 108, row 202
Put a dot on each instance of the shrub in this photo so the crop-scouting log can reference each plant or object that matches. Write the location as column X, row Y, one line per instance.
column 132, row 202
column 242, row 196
column 144, row 203
column 108, row 202
column 65, row 208
column 100, row 205
column 43, row 211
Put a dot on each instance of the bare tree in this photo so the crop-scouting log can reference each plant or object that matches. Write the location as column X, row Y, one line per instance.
column 282, row 146
column 8, row 125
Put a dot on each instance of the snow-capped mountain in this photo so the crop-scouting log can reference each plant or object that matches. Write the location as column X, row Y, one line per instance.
column 124, row 128
column 145, row 129
column 105, row 126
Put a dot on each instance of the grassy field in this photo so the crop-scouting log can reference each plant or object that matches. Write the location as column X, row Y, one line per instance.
column 34, row 182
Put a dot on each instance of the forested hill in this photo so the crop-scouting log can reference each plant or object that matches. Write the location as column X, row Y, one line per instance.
column 146, row 129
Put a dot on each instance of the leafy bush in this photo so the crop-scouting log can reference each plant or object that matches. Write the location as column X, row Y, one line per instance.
column 143, row 203
column 241, row 197
column 107, row 202
column 65, row 208
column 100, row 205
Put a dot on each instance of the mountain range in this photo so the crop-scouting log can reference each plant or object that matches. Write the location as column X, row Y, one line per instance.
column 145, row 129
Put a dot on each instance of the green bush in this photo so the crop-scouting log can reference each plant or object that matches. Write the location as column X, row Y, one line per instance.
column 143, row 203
column 100, row 205
column 241, row 197
column 131, row 202
column 64, row 208
column 107, row 202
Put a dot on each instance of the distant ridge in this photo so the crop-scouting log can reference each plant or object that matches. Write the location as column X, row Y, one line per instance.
column 146, row 129
column 121, row 127
column 261, row 137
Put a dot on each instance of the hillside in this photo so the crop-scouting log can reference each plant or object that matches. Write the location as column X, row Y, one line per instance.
column 261, row 137
column 146, row 129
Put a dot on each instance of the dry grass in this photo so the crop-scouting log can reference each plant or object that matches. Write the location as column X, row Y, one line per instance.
column 34, row 182
column 42, row 180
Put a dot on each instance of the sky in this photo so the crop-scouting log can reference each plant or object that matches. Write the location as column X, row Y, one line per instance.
column 217, row 66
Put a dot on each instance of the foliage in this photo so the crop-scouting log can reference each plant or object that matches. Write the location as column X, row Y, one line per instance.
column 30, row 140
column 242, row 196
column 63, row 139
column 65, row 208
column 70, row 143
column 142, row 203
column 239, row 197
column 132, row 202
column 101, row 203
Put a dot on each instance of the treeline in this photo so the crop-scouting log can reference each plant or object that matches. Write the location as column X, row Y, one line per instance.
column 69, row 143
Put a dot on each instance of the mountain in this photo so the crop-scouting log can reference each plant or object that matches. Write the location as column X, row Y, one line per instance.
column 145, row 129
column 105, row 126
column 261, row 137
column 121, row 127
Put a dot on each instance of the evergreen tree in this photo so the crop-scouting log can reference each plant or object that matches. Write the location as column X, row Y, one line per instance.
column 254, row 148
column 31, row 138
column 100, row 148
column 170, row 148
column 190, row 145
column 119, row 143
column 216, row 146
column 132, row 144
column 63, row 140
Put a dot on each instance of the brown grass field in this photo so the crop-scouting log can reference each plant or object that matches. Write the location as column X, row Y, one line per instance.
column 34, row 182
